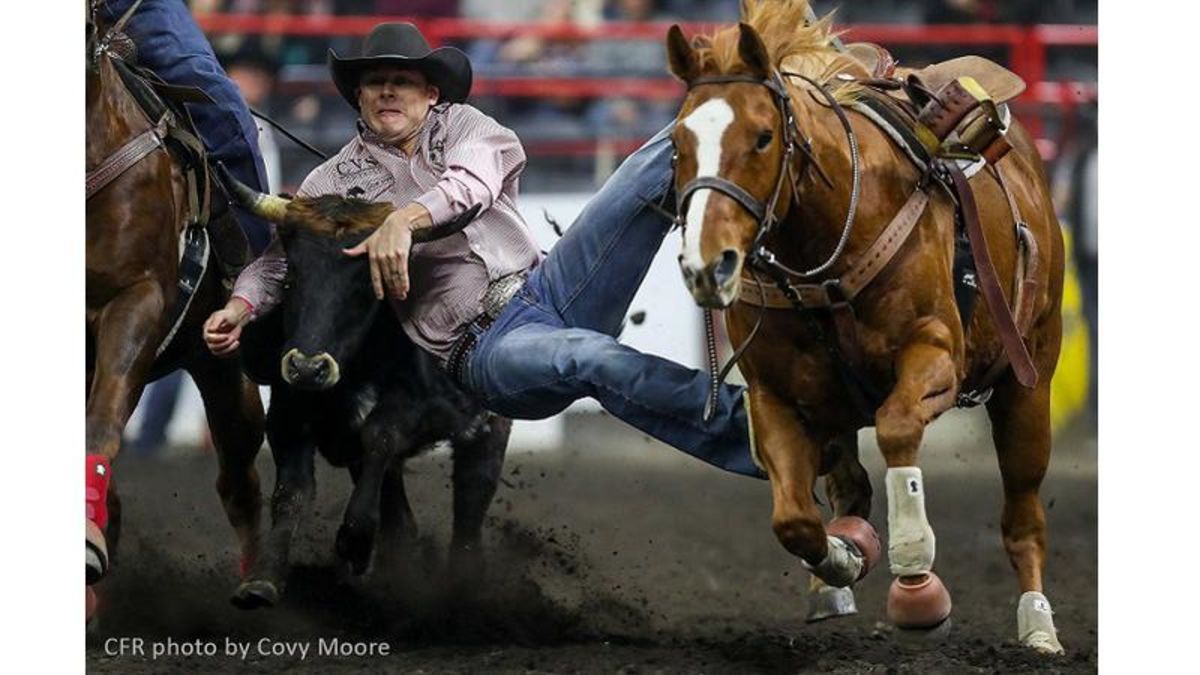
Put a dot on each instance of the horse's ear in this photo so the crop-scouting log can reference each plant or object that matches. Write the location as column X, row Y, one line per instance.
column 680, row 56
column 753, row 51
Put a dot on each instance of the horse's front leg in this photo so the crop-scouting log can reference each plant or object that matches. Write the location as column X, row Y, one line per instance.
column 235, row 417
column 791, row 456
column 127, row 332
column 925, row 381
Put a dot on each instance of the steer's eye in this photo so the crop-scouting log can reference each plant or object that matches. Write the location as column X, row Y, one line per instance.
column 764, row 140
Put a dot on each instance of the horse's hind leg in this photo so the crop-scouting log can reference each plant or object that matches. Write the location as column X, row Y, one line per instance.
column 925, row 381
column 477, row 465
column 849, row 489
column 235, row 418
column 1021, row 430
column 126, row 334
column 847, row 483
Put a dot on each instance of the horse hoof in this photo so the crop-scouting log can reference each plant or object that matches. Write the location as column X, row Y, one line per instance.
column 918, row 602
column 860, row 533
column 924, row 636
column 97, row 553
column 829, row 602
column 254, row 594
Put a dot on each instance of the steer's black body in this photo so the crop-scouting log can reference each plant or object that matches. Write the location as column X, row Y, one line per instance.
column 346, row 381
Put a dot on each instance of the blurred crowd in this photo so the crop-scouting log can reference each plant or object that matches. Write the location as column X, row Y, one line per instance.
column 291, row 81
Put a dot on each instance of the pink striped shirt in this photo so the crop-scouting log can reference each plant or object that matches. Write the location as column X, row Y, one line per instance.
column 463, row 158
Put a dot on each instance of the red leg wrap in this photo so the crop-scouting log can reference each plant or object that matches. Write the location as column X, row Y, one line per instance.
column 98, row 472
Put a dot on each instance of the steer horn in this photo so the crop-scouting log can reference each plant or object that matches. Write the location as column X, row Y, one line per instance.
column 448, row 228
column 270, row 207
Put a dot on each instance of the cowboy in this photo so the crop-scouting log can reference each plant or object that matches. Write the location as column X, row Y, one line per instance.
column 526, row 334
column 171, row 44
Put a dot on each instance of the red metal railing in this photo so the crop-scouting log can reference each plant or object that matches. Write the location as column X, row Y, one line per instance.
column 1027, row 47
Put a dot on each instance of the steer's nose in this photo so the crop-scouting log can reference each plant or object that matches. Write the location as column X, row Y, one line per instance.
column 309, row 372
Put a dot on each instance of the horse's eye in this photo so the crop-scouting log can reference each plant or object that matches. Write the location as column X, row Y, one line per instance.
column 764, row 139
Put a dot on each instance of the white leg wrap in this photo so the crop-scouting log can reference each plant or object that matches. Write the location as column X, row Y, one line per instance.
column 1035, row 624
column 910, row 539
column 841, row 565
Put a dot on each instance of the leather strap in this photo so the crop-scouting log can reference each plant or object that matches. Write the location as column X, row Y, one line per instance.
column 128, row 155
column 887, row 245
column 726, row 187
column 844, row 289
column 989, row 282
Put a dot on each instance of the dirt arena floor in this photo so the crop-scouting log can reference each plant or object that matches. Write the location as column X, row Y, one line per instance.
column 616, row 555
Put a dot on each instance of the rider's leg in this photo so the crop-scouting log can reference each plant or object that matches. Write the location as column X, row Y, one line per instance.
column 171, row 44
column 593, row 272
column 529, row 366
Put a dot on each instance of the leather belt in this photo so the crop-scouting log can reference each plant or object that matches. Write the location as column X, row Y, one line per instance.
column 495, row 299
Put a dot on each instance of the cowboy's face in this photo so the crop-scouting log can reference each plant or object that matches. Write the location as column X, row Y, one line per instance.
column 395, row 101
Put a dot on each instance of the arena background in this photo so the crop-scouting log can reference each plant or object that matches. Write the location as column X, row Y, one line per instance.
column 611, row 550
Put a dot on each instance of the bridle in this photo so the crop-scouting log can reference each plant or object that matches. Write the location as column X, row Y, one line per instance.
column 765, row 216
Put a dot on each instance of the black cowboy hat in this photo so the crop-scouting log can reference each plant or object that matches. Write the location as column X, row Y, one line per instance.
column 401, row 44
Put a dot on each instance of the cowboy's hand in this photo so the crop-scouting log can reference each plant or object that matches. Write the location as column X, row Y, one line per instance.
column 223, row 330
column 387, row 248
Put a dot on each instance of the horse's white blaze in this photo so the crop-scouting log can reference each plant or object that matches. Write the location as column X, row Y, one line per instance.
column 708, row 122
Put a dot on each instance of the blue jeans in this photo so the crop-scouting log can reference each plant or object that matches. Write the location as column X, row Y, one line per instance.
column 171, row 44
column 555, row 341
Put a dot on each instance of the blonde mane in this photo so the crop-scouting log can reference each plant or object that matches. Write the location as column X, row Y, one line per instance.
column 792, row 45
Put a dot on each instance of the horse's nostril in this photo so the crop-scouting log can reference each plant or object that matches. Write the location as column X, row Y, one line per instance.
column 725, row 269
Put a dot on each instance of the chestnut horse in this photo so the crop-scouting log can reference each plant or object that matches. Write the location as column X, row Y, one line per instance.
column 771, row 157
column 135, row 222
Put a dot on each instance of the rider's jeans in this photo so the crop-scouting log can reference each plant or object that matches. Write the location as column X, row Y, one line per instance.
column 554, row 343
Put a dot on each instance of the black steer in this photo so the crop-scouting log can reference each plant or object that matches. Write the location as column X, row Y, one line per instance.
column 345, row 380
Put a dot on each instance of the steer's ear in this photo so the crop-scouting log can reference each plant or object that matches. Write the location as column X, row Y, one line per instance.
column 681, row 58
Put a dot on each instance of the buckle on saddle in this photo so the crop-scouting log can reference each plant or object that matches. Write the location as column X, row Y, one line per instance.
column 971, row 399
column 834, row 291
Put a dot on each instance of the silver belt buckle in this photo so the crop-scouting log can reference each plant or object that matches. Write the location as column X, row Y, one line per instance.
column 499, row 292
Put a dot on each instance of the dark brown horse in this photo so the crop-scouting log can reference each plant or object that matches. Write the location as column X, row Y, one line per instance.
column 136, row 215
column 860, row 324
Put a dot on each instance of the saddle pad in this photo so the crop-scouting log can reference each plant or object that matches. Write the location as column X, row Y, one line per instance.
column 999, row 82
column 877, row 60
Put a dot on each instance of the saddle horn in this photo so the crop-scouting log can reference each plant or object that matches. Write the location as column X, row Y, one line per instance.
column 267, row 206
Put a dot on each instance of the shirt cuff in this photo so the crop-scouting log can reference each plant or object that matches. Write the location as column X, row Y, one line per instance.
column 250, row 309
column 440, row 210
